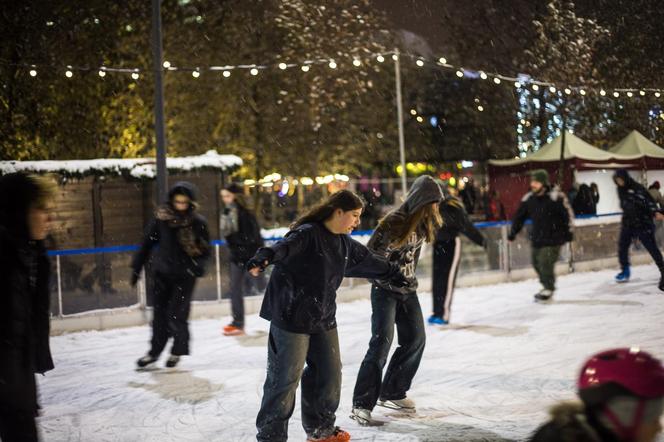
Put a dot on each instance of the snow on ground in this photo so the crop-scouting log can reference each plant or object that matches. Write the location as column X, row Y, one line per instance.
column 488, row 377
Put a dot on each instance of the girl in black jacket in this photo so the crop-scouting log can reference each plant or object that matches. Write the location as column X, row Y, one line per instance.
column 25, row 216
column 300, row 301
column 243, row 236
column 399, row 236
column 183, row 240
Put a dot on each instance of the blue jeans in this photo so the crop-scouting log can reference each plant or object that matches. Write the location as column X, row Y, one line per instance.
column 321, row 383
column 388, row 310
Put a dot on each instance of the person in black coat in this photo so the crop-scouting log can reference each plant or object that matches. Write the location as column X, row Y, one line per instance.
column 584, row 202
column 182, row 237
column 639, row 212
column 552, row 219
column 447, row 254
column 243, row 235
column 300, row 302
column 26, row 203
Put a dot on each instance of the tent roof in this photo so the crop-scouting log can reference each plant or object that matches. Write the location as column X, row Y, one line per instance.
column 575, row 147
column 636, row 145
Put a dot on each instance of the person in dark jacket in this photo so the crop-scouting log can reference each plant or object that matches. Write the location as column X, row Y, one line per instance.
column 552, row 219
column 182, row 237
column 243, row 235
column 300, row 302
column 622, row 399
column 584, row 202
column 26, row 204
column 399, row 237
column 639, row 213
column 447, row 254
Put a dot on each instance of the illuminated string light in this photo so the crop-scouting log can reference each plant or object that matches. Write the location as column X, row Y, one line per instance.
column 616, row 94
column 480, row 108
column 413, row 112
column 253, row 71
column 69, row 74
column 33, row 73
column 195, row 74
column 420, row 119
column 642, row 93
column 568, row 90
column 517, row 84
column 483, row 75
column 167, row 64
column 442, row 60
column 102, row 73
column 535, row 87
column 305, row 68
column 552, row 90
column 226, row 74
column 459, row 74
column 630, row 94
column 135, row 75
column 420, row 63
column 582, row 92
column 380, row 59
column 357, row 62
column 395, row 57
column 657, row 94
column 283, row 66
column 602, row 92
column 496, row 80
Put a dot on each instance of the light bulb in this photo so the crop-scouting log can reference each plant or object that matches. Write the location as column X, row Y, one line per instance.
column 657, row 94
column 517, row 84
column 413, row 112
column 33, row 73
column 305, row 68
column 102, row 73
column 602, row 92
column 420, row 63
column 135, row 75
column 380, row 59
column 480, row 108
column 642, row 93
column 282, row 66
column 630, row 94
column 420, row 119
column 357, row 62
column 395, row 57
column 535, row 87
column 167, row 64
column 195, row 74
column 226, row 74
column 69, row 74
column 496, row 80
column 442, row 60
column 568, row 90
column 483, row 75
column 459, row 74
column 332, row 64
column 253, row 71
column 616, row 94
column 582, row 92
column 552, row 90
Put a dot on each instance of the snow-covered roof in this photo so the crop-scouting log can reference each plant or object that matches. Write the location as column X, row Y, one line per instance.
column 637, row 146
column 141, row 168
column 575, row 147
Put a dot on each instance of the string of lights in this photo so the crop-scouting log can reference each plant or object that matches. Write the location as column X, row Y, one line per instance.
column 521, row 81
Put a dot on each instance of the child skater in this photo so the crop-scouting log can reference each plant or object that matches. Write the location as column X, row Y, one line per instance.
column 300, row 301
column 399, row 236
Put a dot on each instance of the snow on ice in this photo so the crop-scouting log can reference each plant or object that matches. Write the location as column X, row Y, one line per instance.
column 488, row 377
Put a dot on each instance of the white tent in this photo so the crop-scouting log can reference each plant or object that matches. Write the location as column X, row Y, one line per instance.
column 636, row 145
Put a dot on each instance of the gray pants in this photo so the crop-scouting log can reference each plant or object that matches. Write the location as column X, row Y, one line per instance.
column 321, row 383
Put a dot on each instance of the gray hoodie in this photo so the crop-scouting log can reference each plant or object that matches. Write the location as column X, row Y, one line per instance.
column 425, row 190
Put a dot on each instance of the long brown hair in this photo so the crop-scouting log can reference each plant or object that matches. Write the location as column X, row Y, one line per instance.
column 425, row 221
column 343, row 199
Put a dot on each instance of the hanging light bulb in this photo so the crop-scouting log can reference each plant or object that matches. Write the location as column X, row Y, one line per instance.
column 616, row 94
column 357, row 62
column 483, row 75
column 167, row 64
column 33, row 73
column 442, row 60
column 496, row 80
column 413, row 112
column 517, row 84
column 253, row 71
column 69, row 74
column 395, row 57
column 630, row 94
column 380, row 59
column 642, row 93
column 102, row 73
column 582, row 92
column 283, row 66
column 602, row 92
column 226, row 74
column 420, row 63
column 420, row 119
column 480, row 108
column 568, row 90
column 535, row 87
column 552, row 90
column 135, row 75
column 305, row 68
column 196, row 74
column 459, row 74
column 332, row 64
column 657, row 94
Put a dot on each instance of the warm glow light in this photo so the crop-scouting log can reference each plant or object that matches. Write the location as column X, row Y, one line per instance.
column 582, row 92
column 195, row 74
column 167, row 64
column 602, row 92
column 442, row 60
column 135, row 75
column 420, row 119
column 33, row 73
column 420, row 63
column 535, row 87
column 357, row 62
column 69, row 74
column 459, row 74
column 380, row 59
column 480, row 108
column 332, row 64
column 226, row 74
column 305, row 68
column 253, row 71
column 413, row 112
column 496, row 80
column 483, row 75
column 282, row 66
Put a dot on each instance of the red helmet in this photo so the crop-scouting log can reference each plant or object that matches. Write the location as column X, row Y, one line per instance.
column 631, row 370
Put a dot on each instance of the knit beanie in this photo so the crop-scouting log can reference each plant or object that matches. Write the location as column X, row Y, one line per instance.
column 540, row 175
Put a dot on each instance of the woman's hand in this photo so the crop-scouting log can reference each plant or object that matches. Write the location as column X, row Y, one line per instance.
column 256, row 267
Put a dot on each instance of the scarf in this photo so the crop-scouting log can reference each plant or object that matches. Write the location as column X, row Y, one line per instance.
column 192, row 245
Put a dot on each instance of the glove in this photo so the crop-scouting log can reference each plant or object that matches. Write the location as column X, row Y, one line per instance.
column 398, row 280
column 134, row 278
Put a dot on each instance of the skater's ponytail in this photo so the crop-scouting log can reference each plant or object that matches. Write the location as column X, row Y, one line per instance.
column 343, row 199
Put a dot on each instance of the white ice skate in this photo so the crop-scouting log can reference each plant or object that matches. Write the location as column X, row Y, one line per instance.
column 405, row 404
column 361, row 415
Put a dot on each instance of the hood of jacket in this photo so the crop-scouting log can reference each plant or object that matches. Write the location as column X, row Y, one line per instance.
column 622, row 173
column 424, row 191
column 183, row 188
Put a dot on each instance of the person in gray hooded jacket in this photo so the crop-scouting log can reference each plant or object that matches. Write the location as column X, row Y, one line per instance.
column 399, row 237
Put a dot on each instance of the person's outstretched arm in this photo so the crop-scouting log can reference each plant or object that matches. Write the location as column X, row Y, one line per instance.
column 295, row 242
column 519, row 218
column 362, row 263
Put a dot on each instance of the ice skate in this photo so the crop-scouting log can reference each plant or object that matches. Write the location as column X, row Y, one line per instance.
column 361, row 415
column 405, row 404
column 544, row 295
column 339, row 435
column 436, row 320
column 172, row 361
column 147, row 362
column 233, row 330
column 623, row 276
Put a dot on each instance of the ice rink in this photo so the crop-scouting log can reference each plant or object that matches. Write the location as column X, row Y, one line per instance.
column 488, row 377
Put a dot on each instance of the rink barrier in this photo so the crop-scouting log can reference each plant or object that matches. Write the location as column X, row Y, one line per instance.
column 503, row 251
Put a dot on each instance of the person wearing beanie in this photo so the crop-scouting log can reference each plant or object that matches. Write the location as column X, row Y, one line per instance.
column 182, row 237
column 639, row 212
column 552, row 219
column 243, row 235
column 26, row 205
column 622, row 400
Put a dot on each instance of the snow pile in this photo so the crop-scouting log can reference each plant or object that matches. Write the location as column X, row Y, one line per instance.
column 141, row 168
column 271, row 235
column 490, row 376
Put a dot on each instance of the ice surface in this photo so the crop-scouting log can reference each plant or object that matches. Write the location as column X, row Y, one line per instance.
column 488, row 377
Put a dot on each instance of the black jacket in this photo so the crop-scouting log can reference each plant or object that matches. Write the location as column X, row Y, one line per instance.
column 244, row 243
column 455, row 221
column 309, row 265
column 424, row 191
column 584, row 202
column 637, row 204
column 168, row 255
column 571, row 423
column 551, row 216
column 24, row 321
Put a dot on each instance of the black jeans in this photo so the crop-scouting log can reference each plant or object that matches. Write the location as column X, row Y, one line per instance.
column 321, row 383
column 446, row 257
column 647, row 238
column 237, row 275
column 18, row 427
column 388, row 310
column 172, row 301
